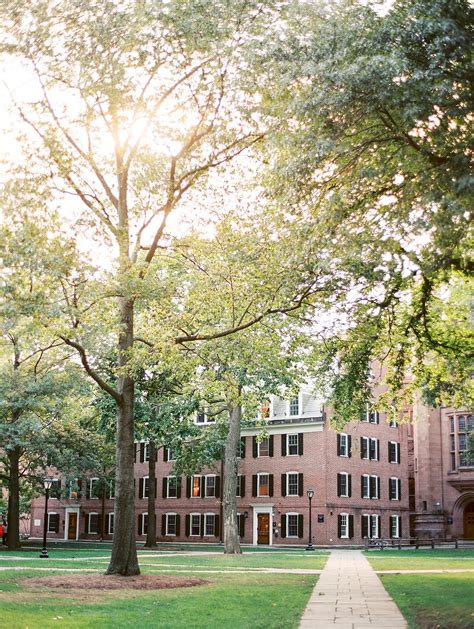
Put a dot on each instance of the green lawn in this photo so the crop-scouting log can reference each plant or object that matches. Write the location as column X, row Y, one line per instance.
column 431, row 601
column 233, row 600
column 421, row 559
column 238, row 599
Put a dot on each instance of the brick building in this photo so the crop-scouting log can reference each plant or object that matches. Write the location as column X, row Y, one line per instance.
column 376, row 479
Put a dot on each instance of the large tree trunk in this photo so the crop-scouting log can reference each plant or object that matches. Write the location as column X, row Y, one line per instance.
column 14, row 499
column 124, row 559
column 151, row 530
column 229, row 500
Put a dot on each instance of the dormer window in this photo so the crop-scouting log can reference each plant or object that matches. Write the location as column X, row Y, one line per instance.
column 294, row 406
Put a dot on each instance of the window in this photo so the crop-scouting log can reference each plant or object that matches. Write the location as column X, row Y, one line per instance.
column 93, row 523
column 374, row 487
column 209, row 524
column 203, row 418
column 365, row 486
column 172, row 487
column 144, row 487
column 146, row 454
column 294, row 406
column 393, row 452
column 370, row 526
column 264, row 447
column 265, row 410
column 240, row 492
column 196, row 487
column 93, row 488
column 393, row 423
column 263, row 484
column 292, row 485
column 195, row 524
column 395, row 526
column 292, row 525
column 170, row 454
column 344, row 485
column 394, row 486
column 369, row 448
column 210, row 486
column 460, row 428
column 74, row 489
column 292, row 445
column 53, row 522
column 111, row 488
column 55, row 491
column 343, row 525
column 171, row 524
column 143, row 524
column 343, row 444
column 110, row 523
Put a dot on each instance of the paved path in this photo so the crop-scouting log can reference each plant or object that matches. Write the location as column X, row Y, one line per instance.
column 349, row 595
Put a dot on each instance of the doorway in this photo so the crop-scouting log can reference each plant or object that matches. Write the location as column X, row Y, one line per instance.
column 263, row 528
column 71, row 528
column 469, row 521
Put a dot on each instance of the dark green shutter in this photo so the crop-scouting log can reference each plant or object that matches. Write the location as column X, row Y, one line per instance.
column 178, row 525
column 283, row 526
column 241, row 525
column 218, row 486
column 254, row 484
column 300, row 526
column 362, row 486
column 349, row 446
column 242, row 447
column 300, row 484
column 88, row 489
column 398, row 453
column 349, row 485
column 202, row 524
column 217, row 525
column 377, row 484
column 399, row 482
column 363, row 448
column 142, row 452
column 254, row 447
column 270, row 445
column 364, row 525
column 134, row 452
column 140, row 524
column 338, row 444
column 163, row 524
column 283, row 445
column 203, row 486
column 300, row 443
column 283, row 485
column 242, row 486
column 188, row 486
column 187, row 524
column 339, row 526
column 351, row 526
column 178, row 487
column 270, row 485
column 165, row 454
column 140, row 487
column 164, row 488
column 338, row 484
column 373, row 492
column 399, row 527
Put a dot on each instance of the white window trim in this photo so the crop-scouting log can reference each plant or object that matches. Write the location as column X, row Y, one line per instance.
column 288, row 526
column 50, row 513
column 377, row 487
column 300, row 400
column 143, row 522
column 169, row 454
column 90, row 481
column 367, row 476
column 292, row 434
column 395, row 443
column 397, row 520
column 199, row 484
column 205, row 485
column 207, row 419
column 143, row 488
column 346, row 440
column 89, row 524
column 397, row 495
column 288, row 484
column 259, row 443
column 206, row 515
column 258, row 484
column 168, row 487
column 110, row 516
column 146, row 451
column 346, row 495
column 346, row 535
column 168, row 534
column 374, row 518
column 191, row 534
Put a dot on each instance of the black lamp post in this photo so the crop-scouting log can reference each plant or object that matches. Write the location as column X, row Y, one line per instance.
column 310, row 494
column 47, row 483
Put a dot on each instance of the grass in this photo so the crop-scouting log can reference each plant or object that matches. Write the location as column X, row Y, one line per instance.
column 236, row 599
column 434, row 600
column 421, row 559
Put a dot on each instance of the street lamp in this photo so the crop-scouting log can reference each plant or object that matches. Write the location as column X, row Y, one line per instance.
column 47, row 483
column 310, row 494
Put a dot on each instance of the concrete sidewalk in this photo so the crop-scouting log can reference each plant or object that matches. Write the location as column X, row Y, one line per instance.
column 349, row 595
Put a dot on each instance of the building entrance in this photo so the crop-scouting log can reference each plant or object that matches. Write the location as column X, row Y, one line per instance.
column 263, row 528
column 469, row 521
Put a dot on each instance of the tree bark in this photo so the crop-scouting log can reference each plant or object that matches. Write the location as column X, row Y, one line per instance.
column 124, row 559
column 13, row 536
column 151, row 530
column 229, row 499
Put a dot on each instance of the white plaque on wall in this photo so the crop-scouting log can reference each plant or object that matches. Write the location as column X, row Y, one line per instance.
column 37, row 522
